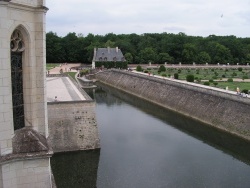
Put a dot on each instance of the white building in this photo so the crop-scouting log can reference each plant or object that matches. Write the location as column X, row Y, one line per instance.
column 24, row 152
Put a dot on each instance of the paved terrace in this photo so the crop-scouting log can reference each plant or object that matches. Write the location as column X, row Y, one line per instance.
column 62, row 89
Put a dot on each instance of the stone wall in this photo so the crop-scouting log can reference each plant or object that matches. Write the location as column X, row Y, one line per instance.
column 226, row 111
column 72, row 126
column 26, row 173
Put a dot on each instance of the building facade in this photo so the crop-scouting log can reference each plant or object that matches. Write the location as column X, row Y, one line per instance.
column 24, row 152
column 108, row 54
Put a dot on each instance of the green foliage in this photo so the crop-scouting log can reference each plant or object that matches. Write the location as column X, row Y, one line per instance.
column 150, row 47
column 190, row 78
column 163, row 74
column 239, row 69
column 176, row 75
column 139, row 68
column 129, row 57
column 244, row 77
column 215, row 83
column 162, row 68
column 230, row 80
column 211, row 80
column 245, row 91
column 112, row 64
column 84, row 72
column 206, row 83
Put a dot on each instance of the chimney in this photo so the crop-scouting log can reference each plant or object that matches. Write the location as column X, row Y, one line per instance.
column 116, row 49
column 108, row 49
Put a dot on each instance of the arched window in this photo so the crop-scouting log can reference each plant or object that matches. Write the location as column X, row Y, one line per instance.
column 17, row 47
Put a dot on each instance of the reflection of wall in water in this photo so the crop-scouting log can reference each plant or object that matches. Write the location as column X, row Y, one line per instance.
column 222, row 110
column 76, row 169
column 235, row 146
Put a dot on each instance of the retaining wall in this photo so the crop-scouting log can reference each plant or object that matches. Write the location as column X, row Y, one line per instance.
column 223, row 110
column 72, row 126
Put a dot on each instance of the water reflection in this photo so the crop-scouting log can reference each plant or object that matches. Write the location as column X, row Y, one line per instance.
column 75, row 169
column 147, row 146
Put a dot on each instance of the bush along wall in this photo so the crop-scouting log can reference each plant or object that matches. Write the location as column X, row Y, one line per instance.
column 112, row 64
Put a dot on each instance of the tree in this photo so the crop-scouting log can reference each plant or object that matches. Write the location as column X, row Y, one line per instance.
column 165, row 57
column 129, row 57
column 189, row 53
column 222, row 54
column 147, row 55
column 54, row 49
column 203, row 57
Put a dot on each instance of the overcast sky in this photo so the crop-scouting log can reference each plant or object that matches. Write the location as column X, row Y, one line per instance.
column 193, row 17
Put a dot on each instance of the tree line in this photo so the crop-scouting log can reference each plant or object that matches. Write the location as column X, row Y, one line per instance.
column 150, row 47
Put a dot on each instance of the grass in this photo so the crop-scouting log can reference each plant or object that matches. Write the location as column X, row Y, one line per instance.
column 206, row 74
column 233, row 85
column 51, row 65
column 72, row 74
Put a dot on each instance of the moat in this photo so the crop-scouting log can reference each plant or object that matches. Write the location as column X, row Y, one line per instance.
column 143, row 145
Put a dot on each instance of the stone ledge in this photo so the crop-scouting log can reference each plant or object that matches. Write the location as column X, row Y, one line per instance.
column 25, row 156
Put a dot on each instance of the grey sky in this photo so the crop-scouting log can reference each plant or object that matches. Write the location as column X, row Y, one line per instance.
column 193, row 17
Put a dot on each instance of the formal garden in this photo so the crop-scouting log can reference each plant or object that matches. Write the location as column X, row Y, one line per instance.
column 221, row 77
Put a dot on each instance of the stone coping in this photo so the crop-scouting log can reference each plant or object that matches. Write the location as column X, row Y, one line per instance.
column 70, row 102
column 25, row 156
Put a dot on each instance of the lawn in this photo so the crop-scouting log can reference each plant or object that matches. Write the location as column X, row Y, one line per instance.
column 72, row 74
column 51, row 65
column 213, row 75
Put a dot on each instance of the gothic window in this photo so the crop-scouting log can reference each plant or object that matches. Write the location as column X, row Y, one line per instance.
column 17, row 47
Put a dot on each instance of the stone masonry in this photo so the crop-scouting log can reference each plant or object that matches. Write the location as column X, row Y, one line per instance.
column 22, row 31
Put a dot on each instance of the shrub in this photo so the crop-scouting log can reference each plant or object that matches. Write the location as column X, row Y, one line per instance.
column 234, row 74
column 206, row 83
column 215, row 84
column 211, row 80
column 176, row 75
column 162, row 68
column 139, row 68
column 145, row 71
column 179, row 71
column 244, row 77
column 164, row 75
column 230, row 80
column 239, row 69
column 190, row 78
column 84, row 72
column 223, row 76
column 245, row 91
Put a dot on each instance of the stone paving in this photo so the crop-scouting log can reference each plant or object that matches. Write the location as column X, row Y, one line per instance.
column 62, row 89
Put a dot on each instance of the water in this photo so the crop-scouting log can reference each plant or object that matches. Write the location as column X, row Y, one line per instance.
column 145, row 146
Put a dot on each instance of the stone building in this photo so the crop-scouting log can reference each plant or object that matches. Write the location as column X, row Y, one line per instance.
column 107, row 55
column 24, row 152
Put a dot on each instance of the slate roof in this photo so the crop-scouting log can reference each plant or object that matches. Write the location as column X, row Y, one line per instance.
column 108, row 54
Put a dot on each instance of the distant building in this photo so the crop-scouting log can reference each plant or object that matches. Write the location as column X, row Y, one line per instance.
column 107, row 55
